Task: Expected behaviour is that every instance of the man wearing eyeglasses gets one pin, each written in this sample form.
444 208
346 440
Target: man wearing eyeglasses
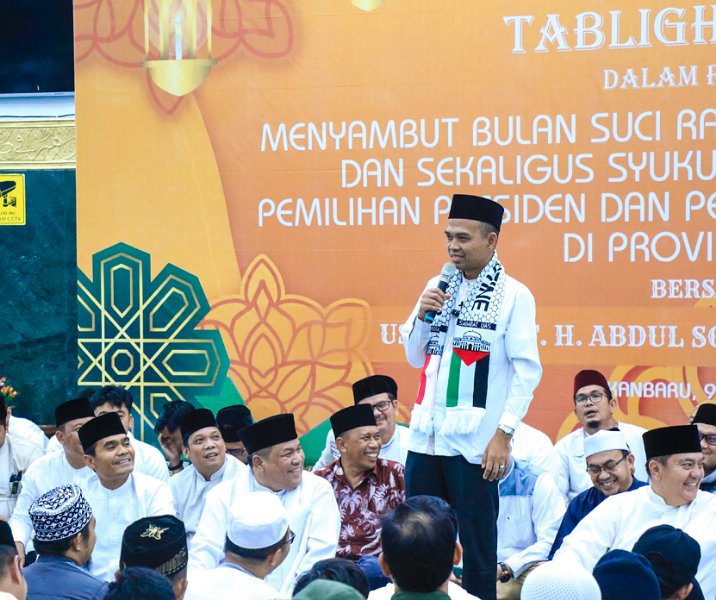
257 540
705 421
381 393
594 407
675 464
610 465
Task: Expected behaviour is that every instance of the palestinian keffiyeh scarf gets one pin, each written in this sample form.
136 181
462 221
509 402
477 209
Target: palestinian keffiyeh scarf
469 354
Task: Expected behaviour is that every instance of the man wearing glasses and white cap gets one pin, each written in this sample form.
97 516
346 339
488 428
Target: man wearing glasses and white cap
594 407
610 465
257 541
675 464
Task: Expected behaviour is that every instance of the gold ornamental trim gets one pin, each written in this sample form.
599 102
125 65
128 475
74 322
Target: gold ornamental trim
38 144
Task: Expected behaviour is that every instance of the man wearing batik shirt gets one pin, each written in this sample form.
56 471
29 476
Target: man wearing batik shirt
365 485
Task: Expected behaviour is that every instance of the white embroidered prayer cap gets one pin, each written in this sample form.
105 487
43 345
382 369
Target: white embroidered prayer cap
557 580
605 440
257 520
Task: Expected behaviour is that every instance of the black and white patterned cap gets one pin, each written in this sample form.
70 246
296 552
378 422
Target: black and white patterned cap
60 513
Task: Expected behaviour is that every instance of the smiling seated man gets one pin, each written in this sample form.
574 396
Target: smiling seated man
380 392
705 420
610 465
366 486
672 498
54 469
210 465
594 406
118 496
276 466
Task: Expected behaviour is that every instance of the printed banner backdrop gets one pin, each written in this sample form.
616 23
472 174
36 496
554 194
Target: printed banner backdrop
306 180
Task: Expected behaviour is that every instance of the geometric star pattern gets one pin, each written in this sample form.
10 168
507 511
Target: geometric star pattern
140 333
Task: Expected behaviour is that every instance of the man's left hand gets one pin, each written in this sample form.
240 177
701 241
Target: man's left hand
497 454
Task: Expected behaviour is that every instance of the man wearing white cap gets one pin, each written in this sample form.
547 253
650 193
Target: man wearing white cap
672 498
276 461
64 541
594 406
118 496
257 541
610 465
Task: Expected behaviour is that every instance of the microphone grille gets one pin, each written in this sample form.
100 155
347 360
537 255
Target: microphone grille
448 270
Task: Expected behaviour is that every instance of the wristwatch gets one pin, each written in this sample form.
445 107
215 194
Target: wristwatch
506 573
508 431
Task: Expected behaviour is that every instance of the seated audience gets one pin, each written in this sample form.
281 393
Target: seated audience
276 466
159 544
705 420
16 455
137 582
594 407
381 393
257 541
12 582
323 589
55 468
672 498
549 581
610 465
210 465
168 433
118 495
624 575
531 509
335 569
420 547
365 485
64 540
231 420
674 557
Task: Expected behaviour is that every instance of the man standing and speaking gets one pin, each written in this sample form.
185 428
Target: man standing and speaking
477 345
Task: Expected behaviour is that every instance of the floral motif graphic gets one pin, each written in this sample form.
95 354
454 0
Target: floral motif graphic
114 30
288 353
140 333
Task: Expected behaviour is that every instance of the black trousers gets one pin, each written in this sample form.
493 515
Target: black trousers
476 503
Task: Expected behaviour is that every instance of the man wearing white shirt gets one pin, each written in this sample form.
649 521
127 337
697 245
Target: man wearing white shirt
531 509
54 469
475 340
594 407
257 541
16 455
117 496
210 465
675 464
381 392
148 459
276 466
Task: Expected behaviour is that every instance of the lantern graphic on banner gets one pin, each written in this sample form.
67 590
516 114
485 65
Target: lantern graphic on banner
177 43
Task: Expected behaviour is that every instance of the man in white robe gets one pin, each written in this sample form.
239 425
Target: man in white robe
54 469
594 407
675 464
111 398
118 496
257 541
276 466
381 393
210 465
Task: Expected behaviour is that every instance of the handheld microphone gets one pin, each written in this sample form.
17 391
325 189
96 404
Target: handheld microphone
446 274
